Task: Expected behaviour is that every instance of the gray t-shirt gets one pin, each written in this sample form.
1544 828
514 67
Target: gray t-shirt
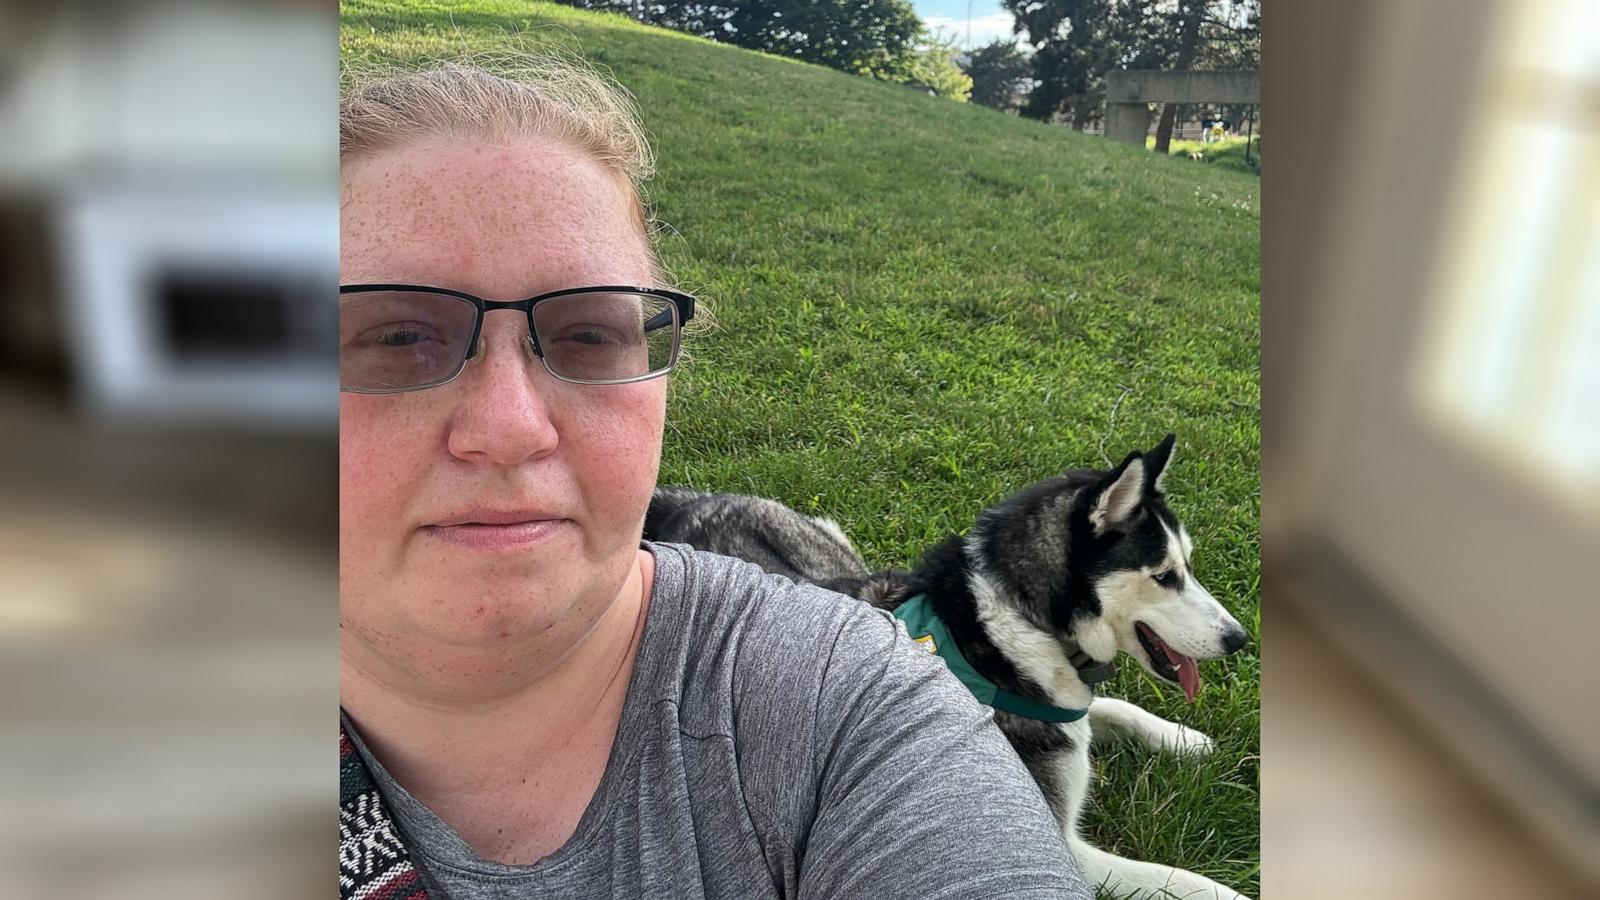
778 740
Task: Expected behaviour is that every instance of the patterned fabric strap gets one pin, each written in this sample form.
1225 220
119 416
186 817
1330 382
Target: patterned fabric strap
373 864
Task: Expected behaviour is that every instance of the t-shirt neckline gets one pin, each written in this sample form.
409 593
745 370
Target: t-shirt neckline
412 815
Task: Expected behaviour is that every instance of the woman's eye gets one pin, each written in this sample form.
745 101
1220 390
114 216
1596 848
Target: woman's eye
396 334
593 336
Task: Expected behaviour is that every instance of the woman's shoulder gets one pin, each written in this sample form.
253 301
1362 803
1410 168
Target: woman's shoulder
745 633
738 606
810 693
724 598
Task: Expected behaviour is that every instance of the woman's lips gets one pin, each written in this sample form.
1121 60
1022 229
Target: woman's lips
508 536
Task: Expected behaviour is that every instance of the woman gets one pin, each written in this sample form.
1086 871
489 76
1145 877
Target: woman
534 702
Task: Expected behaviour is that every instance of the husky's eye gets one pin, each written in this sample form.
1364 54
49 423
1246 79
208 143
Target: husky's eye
1167 579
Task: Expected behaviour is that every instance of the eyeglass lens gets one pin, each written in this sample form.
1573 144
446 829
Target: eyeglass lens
394 340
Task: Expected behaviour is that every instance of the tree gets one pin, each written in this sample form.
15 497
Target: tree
1000 74
934 68
1075 42
1078 41
1187 19
859 36
1212 34
931 67
1230 35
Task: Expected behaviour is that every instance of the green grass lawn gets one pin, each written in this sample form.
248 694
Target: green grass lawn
1227 153
926 305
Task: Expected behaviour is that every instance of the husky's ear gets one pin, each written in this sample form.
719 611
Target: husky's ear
1118 497
1158 459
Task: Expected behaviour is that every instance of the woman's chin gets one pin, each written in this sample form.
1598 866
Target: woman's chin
487 623
491 614
498 610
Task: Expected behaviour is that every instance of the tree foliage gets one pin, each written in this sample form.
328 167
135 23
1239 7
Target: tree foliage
1076 42
933 68
859 36
1000 74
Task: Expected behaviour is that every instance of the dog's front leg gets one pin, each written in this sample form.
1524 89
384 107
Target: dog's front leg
1131 879
1111 718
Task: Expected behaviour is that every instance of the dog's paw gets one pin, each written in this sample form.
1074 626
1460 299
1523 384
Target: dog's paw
1183 741
1204 889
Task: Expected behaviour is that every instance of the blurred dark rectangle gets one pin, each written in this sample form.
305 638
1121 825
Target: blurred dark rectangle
261 315
30 308
205 301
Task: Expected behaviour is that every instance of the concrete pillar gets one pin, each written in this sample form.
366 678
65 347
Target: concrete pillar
1128 122
1129 90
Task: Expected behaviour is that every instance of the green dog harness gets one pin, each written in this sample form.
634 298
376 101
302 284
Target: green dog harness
927 629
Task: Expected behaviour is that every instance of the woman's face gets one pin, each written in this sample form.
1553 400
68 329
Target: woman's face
420 585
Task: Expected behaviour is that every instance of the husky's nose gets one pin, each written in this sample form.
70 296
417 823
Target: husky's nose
1235 638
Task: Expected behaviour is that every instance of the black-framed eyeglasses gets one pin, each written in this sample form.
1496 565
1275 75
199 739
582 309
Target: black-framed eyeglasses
406 337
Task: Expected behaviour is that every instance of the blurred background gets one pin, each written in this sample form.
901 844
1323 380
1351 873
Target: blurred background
168 236
1431 372
1431 449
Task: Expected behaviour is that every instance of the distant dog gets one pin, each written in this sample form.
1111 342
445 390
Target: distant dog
1029 608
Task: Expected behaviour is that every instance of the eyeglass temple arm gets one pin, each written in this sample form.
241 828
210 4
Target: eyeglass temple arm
664 318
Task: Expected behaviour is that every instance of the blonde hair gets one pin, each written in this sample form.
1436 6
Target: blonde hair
529 95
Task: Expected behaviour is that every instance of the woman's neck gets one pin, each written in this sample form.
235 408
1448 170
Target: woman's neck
447 744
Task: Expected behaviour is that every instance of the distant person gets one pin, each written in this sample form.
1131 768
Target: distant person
534 701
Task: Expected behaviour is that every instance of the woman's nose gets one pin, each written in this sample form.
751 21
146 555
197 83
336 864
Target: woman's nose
503 415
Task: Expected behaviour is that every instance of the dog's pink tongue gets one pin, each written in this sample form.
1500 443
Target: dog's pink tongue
1188 672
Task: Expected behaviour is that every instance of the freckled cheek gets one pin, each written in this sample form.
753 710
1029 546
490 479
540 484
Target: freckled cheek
378 455
616 450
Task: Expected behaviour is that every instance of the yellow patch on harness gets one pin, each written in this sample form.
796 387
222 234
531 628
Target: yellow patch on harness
928 643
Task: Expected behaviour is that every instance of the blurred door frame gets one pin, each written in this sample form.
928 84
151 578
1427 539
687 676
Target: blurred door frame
1464 581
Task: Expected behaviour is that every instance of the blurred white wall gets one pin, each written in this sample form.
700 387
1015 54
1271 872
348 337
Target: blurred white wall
146 88
167 145
1431 457
168 584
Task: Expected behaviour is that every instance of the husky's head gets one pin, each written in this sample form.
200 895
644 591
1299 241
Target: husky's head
1150 604
1097 559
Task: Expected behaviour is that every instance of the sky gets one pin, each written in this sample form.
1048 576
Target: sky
989 19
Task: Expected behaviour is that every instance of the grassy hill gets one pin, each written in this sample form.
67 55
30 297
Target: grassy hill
926 305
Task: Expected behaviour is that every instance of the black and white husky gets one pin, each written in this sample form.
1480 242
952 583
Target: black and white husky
1037 598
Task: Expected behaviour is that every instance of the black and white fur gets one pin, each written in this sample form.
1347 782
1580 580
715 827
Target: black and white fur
765 532
1068 564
